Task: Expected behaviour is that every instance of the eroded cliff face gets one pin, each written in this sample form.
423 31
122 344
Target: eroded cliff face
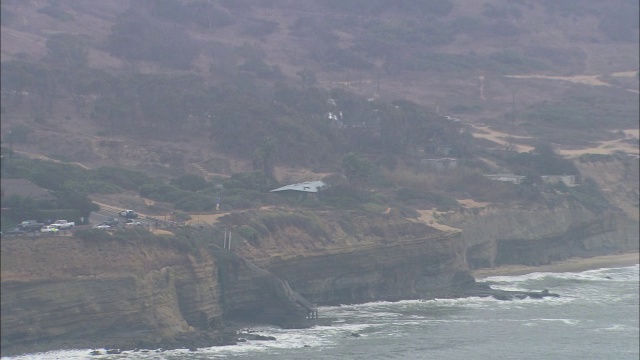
497 235
534 236
63 289
349 258
67 292
425 267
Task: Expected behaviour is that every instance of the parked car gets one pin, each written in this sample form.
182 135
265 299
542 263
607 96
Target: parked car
102 226
111 222
63 224
50 229
131 222
129 214
31 225
13 232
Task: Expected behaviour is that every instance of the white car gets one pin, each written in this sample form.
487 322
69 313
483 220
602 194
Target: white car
132 223
102 227
50 228
129 214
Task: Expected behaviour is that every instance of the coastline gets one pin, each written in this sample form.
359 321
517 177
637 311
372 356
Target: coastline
575 264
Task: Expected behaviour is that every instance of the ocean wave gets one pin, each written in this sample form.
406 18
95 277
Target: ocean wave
618 327
73 354
564 321
628 273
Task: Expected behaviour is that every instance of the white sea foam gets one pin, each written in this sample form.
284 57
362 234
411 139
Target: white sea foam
618 327
565 321
79 354
622 274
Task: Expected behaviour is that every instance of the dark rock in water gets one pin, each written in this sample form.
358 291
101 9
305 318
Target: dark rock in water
354 334
305 345
114 351
501 297
251 336
608 277
96 352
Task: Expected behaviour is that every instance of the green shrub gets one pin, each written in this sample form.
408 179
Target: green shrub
190 182
124 178
374 208
196 203
256 181
249 234
163 192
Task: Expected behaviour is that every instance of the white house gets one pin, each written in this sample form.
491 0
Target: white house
309 187
515 179
569 180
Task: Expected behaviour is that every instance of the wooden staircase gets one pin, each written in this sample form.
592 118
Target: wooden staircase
281 287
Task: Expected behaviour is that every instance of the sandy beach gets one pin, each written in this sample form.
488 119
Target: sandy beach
569 265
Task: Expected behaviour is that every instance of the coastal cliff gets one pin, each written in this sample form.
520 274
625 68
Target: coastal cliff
344 257
534 236
139 290
66 292
143 291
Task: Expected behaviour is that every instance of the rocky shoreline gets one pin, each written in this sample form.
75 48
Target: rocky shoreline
232 335
178 298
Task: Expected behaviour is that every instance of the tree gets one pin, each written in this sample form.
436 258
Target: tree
356 169
190 182
263 157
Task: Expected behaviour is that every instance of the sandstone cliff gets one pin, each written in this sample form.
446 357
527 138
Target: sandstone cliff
535 236
144 291
342 257
150 292
65 290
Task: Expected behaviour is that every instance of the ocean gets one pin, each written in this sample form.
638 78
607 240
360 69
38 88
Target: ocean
596 317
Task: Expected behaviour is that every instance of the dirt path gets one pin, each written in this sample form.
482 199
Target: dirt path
501 138
427 217
580 79
42 157
608 147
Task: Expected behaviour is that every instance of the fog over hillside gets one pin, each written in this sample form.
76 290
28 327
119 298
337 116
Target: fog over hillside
222 76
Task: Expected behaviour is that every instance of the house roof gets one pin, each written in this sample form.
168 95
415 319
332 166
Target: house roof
24 188
309 186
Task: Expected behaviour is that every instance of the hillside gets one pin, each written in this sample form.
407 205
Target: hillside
289 88
451 136
157 77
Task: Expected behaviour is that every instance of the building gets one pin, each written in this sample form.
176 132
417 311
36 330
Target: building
439 164
569 180
514 179
305 187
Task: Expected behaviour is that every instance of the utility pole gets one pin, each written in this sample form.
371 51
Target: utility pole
513 109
